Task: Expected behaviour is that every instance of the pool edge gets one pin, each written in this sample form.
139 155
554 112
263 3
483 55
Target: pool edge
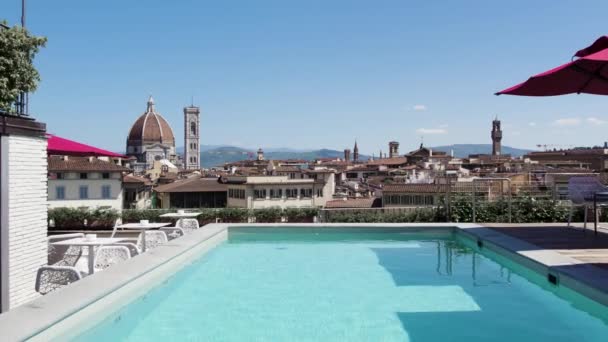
45 315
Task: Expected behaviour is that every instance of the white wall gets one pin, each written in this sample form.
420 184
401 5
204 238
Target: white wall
72 185
24 212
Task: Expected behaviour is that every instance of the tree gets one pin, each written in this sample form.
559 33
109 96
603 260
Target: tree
17 71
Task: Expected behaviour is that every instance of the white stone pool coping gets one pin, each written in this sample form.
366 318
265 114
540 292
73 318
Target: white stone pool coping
85 303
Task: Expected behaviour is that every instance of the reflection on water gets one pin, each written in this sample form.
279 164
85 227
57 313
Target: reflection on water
325 285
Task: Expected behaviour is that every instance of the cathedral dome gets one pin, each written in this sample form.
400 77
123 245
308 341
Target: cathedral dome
151 128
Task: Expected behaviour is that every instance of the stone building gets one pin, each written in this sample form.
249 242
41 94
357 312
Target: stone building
151 138
79 182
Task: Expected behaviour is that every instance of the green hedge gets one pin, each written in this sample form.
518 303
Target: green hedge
377 216
300 215
75 218
267 215
524 209
79 218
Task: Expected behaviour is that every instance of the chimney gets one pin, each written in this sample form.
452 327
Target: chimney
65 158
91 159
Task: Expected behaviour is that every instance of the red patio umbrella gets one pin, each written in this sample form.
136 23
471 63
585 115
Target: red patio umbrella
61 146
588 73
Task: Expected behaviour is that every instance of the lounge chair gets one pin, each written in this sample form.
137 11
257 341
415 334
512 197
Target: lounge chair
172 232
154 238
63 255
51 278
188 225
107 256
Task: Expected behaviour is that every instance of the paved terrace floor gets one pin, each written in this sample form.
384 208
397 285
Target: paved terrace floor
576 243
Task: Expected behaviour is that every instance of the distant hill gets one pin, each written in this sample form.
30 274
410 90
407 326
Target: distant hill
463 150
219 155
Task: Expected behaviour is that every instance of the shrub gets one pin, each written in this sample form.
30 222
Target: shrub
233 215
102 218
300 215
267 215
207 216
75 218
152 215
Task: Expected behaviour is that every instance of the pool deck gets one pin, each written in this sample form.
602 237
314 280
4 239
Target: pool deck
577 243
574 257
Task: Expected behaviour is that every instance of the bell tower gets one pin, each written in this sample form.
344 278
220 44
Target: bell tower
496 137
192 148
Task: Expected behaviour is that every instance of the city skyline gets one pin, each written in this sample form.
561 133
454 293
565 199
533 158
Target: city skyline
311 76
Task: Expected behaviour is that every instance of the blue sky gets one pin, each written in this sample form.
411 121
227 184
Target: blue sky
313 74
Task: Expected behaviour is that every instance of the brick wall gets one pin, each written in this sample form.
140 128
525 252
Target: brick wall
25 212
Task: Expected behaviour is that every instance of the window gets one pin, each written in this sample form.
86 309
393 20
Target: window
60 192
106 191
130 196
276 193
84 175
83 192
105 175
305 193
193 128
320 192
236 193
291 193
259 194
59 175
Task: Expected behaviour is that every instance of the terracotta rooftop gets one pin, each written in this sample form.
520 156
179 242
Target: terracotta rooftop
389 161
288 169
56 164
415 188
320 171
466 187
136 180
194 184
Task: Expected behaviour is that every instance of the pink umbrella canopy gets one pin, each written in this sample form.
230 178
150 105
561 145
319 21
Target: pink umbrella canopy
586 74
61 146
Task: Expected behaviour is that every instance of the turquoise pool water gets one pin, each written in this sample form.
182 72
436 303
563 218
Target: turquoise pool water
346 285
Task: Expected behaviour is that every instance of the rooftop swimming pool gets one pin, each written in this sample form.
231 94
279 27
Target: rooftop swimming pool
332 284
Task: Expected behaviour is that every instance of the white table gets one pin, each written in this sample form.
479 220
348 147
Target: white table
143 227
179 216
83 242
